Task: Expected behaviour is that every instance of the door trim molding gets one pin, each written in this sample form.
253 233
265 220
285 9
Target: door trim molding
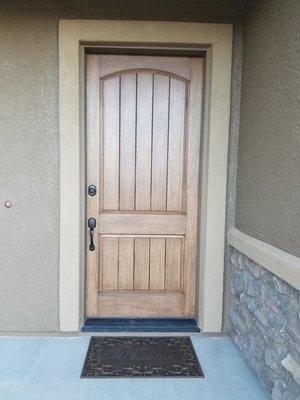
216 41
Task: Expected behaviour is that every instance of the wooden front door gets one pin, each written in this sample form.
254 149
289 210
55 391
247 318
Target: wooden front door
143 146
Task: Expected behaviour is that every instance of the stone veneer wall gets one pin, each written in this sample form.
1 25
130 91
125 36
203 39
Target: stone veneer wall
265 326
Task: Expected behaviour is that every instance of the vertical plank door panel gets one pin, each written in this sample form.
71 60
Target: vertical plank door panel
127 141
110 104
126 253
157 264
173 264
160 142
141 264
144 141
176 145
109 263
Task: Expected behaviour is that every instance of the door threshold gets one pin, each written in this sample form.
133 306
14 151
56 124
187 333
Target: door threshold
140 325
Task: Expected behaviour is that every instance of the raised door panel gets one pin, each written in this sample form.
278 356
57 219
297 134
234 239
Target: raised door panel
141 263
143 142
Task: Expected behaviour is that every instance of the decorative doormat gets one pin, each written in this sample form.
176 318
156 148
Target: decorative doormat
141 357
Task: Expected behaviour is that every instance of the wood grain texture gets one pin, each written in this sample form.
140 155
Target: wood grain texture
111 145
114 64
141 304
155 224
160 142
143 127
109 264
126 263
173 264
157 263
143 141
192 192
141 264
127 142
176 145
93 173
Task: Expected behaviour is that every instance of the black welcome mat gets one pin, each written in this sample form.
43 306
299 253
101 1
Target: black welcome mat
141 357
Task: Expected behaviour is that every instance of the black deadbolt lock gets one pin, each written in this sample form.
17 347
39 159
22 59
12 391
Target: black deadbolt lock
92 190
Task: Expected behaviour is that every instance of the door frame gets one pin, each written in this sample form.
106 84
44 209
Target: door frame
214 41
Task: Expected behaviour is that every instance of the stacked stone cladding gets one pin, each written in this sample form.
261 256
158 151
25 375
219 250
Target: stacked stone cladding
265 325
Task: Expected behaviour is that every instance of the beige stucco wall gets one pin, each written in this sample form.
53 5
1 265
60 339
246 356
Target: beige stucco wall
29 172
268 190
29 151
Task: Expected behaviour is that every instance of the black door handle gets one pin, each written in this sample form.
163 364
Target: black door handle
92 225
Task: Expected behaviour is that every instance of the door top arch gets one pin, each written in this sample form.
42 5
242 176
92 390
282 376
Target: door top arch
145 71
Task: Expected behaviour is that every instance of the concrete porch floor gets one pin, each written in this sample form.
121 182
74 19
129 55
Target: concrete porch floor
48 368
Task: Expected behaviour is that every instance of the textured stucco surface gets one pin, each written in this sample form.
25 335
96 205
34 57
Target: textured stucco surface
268 190
232 161
29 174
29 151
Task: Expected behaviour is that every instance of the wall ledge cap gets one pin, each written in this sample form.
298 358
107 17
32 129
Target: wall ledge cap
279 262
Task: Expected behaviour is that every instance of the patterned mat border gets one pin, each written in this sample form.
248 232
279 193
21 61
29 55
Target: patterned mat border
201 375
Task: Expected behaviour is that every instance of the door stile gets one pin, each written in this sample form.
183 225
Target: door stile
92 204
192 188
